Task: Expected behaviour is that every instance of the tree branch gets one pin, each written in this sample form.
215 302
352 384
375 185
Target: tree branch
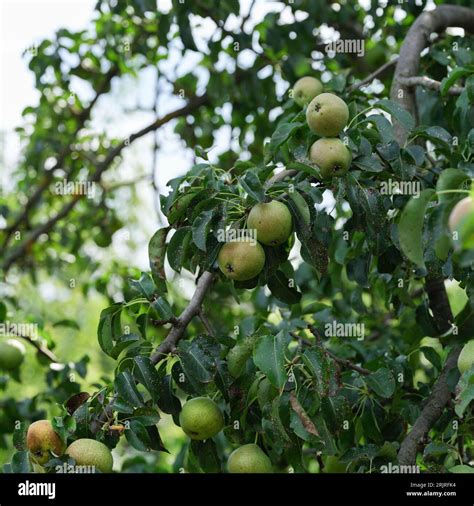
427 82
408 64
433 409
372 76
44 228
41 349
193 309
417 38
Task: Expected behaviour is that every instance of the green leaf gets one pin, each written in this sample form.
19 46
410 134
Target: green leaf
201 227
269 357
19 436
381 382
146 416
280 287
178 248
156 254
206 455
282 134
462 469
162 307
398 112
109 329
464 392
450 179
432 356
323 369
127 389
410 227
168 402
20 463
453 76
146 374
138 436
198 359
144 285
252 185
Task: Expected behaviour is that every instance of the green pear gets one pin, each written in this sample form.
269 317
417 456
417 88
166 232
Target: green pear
12 353
271 221
42 440
201 418
327 115
241 260
462 209
239 354
305 89
249 459
331 156
466 357
333 465
89 452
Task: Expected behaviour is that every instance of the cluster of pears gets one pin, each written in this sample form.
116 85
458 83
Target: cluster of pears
327 116
201 418
43 443
12 354
244 259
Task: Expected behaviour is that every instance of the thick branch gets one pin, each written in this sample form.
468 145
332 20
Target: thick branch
44 228
408 64
193 309
430 414
417 38
427 82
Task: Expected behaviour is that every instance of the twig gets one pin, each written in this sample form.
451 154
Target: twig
193 309
427 82
280 177
372 76
207 324
302 415
41 349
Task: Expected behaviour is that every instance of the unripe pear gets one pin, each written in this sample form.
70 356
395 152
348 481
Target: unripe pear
11 354
241 260
272 222
466 357
305 89
41 439
463 208
327 115
239 354
201 418
89 452
249 459
331 156
333 465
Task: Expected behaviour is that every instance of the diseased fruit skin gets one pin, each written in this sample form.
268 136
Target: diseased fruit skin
11 354
241 260
459 212
201 418
466 357
327 115
272 222
305 89
239 354
331 156
89 452
249 459
41 439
